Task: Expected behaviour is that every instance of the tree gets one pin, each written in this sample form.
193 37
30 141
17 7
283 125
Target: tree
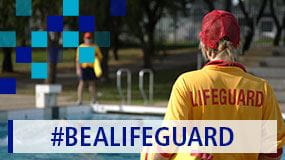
116 29
142 18
42 9
250 27
7 22
278 34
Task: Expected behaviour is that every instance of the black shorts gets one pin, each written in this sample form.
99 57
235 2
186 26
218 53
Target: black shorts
87 74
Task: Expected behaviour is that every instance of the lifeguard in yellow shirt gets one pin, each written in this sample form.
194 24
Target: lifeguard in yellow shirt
86 71
222 90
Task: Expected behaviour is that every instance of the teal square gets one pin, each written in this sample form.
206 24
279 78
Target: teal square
7 39
70 39
39 71
39 39
102 38
86 54
70 8
23 7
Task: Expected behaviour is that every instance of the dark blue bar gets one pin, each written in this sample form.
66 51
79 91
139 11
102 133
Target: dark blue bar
10 136
118 7
7 85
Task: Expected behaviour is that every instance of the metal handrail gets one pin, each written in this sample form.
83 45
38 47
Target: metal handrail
149 99
129 85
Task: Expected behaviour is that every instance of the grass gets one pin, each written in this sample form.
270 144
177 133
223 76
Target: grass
107 90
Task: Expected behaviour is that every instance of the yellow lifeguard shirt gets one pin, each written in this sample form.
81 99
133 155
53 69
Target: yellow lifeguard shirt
220 92
97 53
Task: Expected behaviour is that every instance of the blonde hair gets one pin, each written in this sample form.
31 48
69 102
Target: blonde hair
225 50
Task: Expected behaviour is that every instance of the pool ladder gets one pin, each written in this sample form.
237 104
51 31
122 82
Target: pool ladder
128 96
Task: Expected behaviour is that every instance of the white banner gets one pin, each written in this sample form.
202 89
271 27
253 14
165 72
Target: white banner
135 136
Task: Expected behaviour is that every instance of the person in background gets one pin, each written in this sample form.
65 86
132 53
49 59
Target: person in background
222 90
85 71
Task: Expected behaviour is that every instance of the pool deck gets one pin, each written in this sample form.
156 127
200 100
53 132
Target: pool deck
62 112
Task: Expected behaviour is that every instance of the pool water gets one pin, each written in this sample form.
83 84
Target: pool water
20 156
5 156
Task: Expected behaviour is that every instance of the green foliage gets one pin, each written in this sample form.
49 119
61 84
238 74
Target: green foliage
7 12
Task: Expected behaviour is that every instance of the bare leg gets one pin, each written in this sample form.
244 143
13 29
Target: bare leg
80 91
92 91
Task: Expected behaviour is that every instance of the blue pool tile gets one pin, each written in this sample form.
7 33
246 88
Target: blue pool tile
39 71
87 24
7 39
102 39
39 39
70 7
23 54
70 38
55 23
118 7
86 55
7 86
23 7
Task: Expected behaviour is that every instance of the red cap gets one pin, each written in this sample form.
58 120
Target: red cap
217 25
88 35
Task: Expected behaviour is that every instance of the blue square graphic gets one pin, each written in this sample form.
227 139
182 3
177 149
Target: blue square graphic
39 39
23 7
55 23
87 24
39 71
86 55
118 7
70 7
102 39
70 39
7 85
23 55
7 39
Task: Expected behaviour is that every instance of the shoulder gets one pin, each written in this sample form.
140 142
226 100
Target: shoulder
185 79
191 76
255 78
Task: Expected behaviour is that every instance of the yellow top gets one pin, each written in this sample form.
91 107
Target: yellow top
97 53
207 94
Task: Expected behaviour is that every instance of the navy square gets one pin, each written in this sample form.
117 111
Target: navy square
55 23
23 54
87 24
7 86
118 8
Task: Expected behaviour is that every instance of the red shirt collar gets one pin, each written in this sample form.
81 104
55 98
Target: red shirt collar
226 63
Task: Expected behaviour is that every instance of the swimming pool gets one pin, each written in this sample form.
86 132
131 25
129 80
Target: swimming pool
91 116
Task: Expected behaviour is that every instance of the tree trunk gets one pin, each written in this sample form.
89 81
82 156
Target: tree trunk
248 38
115 29
147 58
149 47
105 66
115 53
261 11
52 69
7 65
53 58
115 44
228 5
278 34
250 26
